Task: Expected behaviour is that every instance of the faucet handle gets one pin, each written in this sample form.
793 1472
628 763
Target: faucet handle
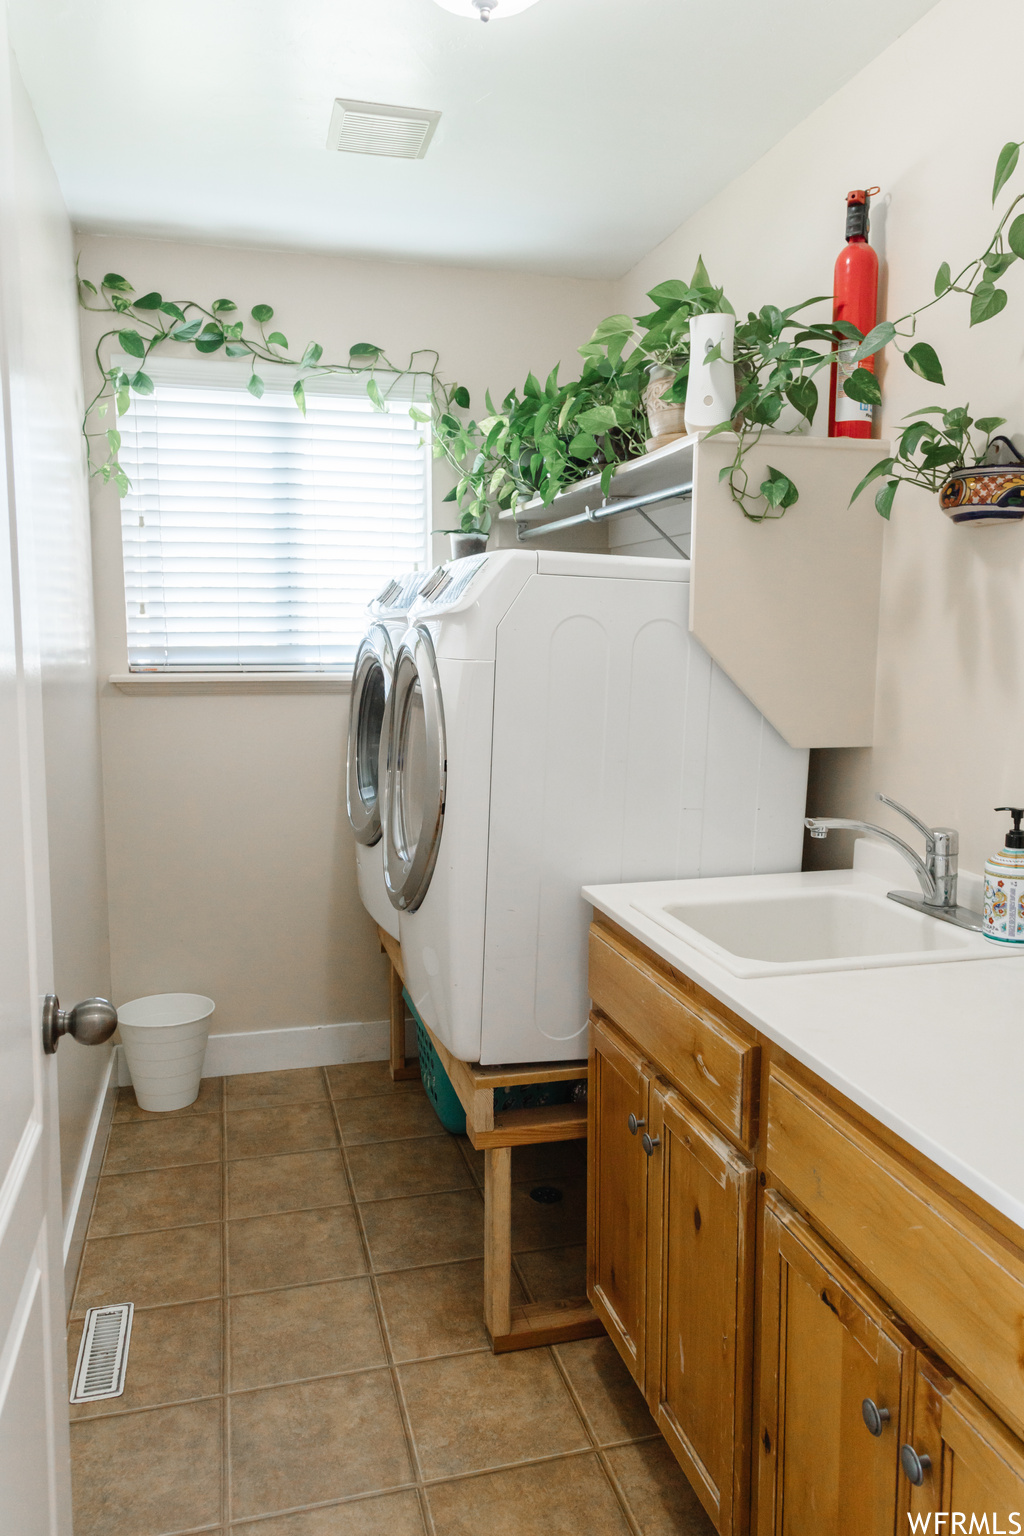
928 833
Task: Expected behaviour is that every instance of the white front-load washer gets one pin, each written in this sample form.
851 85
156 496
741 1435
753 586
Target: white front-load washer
371 685
552 723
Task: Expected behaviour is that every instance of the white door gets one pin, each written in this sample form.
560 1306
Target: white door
35 1498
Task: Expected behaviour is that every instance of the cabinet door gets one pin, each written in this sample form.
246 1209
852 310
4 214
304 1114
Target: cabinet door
701 1200
968 1463
828 1346
617 1191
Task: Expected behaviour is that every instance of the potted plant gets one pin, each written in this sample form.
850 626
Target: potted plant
470 538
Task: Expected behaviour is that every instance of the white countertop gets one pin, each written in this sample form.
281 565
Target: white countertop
934 1052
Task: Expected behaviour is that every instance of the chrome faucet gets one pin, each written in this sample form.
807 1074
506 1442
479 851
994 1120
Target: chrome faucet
936 872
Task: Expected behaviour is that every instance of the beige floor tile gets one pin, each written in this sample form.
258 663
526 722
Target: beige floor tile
310 1330
367 1079
294 1248
209 1102
268 1090
571 1497
174 1355
549 1162
535 1225
290 1128
473 1412
393 1514
396 1119
612 1401
151 1268
555 1274
661 1499
294 1181
393 1168
136 1146
166 1197
425 1229
143 1474
474 1158
437 1311
315 1441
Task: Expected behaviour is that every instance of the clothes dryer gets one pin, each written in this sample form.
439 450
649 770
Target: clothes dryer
552 723
371 684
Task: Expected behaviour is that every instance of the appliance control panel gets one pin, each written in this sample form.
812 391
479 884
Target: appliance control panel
446 584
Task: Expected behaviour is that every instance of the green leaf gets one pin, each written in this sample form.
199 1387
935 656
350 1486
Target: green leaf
261 313
883 500
912 437
943 278
312 355
988 424
883 467
772 317
300 395
803 393
451 494
148 301
187 332
996 265
417 414
113 438
132 343
142 383
373 390
209 341
167 308
874 341
116 283
255 386
532 387
924 361
600 418
778 490
460 396
236 349
122 482
363 352
986 301
1015 235
700 277
83 282
583 446
1005 167
122 400
277 340
676 392
223 306
864 387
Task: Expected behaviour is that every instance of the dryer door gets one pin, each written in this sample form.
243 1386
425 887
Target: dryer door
417 773
371 685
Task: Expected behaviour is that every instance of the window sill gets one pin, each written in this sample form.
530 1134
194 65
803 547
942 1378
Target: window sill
156 684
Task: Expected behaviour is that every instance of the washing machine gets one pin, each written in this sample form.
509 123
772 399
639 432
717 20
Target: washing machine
552 723
371 684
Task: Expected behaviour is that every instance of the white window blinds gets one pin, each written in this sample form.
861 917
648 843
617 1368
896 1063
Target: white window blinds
254 537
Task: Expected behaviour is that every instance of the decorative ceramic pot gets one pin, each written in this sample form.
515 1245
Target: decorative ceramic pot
711 387
464 544
986 494
666 420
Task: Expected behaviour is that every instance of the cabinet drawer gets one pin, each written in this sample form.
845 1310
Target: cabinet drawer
711 1062
956 1282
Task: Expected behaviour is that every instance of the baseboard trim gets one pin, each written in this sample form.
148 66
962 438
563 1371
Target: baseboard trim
306 1045
87 1175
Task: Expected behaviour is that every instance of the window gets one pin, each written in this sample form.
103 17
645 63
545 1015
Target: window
254 537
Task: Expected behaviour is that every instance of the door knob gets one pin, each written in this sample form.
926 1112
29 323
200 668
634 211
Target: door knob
90 1022
914 1466
649 1143
634 1124
874 1417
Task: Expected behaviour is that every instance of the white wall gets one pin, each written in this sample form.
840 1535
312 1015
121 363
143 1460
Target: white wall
949 738
53 511
232 867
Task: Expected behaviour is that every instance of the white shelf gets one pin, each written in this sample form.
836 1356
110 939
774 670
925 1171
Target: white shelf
653 472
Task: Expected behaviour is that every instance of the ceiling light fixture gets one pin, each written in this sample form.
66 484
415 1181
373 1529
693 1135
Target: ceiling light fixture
485 10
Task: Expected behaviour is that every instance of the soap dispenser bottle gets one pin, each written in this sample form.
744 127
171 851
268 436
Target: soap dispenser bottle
1004 886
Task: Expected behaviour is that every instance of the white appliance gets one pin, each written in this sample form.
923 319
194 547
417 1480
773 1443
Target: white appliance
551 724
371 684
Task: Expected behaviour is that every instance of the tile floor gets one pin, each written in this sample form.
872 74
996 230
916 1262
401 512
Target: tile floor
309 1357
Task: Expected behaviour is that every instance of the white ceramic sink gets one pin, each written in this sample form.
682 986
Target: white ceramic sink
779 925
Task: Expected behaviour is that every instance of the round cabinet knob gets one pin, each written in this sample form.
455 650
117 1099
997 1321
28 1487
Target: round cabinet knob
649 1143
91 1022
914 1466
874 1417
634 1124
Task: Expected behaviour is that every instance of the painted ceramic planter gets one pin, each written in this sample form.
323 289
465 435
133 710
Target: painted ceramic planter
986 494
665 419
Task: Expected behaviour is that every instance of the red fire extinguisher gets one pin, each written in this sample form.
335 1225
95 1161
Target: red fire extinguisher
855 298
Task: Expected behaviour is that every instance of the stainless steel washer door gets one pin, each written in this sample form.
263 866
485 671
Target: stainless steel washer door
417 773
371 686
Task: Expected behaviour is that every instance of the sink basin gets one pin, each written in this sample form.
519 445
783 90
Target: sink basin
756 926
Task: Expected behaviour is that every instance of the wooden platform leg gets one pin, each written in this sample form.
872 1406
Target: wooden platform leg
498 1240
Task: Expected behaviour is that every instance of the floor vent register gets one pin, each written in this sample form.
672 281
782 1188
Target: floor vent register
103 1355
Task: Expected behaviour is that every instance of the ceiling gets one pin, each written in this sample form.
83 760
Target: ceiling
573 137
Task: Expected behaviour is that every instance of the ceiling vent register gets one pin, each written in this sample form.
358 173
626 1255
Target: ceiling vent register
370 128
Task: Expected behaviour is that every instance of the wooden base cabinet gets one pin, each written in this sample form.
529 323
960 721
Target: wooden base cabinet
960 1461
670 1266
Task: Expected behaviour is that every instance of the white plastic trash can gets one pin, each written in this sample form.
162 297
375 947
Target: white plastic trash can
164 1040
